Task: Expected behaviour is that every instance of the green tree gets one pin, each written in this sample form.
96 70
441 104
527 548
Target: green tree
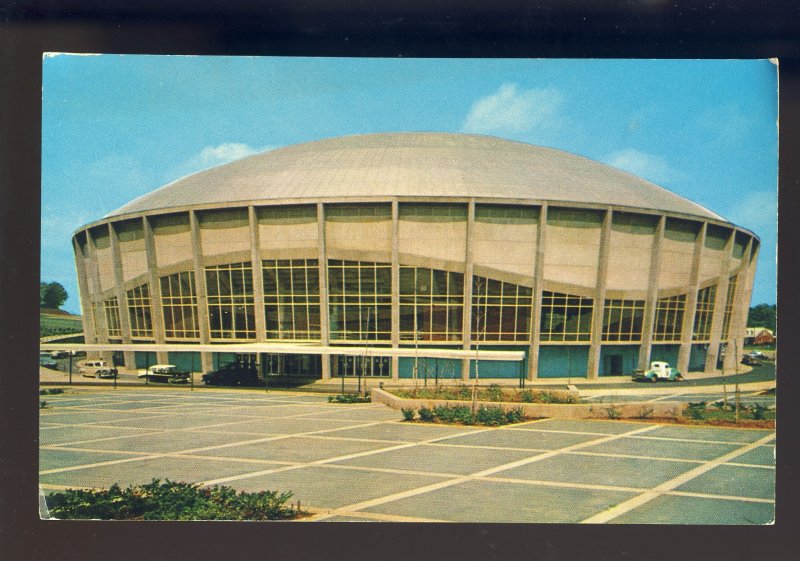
763 315
52 295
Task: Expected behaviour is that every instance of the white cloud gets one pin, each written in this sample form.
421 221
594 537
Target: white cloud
649 166
510 110
758 210
212 156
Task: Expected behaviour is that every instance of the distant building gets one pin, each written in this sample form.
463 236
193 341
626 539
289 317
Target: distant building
759 336
426 240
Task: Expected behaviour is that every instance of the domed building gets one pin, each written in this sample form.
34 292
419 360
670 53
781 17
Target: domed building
401 254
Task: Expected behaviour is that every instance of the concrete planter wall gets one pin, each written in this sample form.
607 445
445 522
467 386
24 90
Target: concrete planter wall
626 410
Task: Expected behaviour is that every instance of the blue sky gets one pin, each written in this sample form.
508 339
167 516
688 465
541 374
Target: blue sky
115 127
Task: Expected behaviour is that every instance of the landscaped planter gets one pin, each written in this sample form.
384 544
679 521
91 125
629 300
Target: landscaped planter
551 410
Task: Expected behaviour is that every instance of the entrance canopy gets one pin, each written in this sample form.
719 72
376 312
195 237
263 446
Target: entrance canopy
294 349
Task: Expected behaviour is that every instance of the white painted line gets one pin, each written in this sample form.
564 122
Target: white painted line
626 506
482 473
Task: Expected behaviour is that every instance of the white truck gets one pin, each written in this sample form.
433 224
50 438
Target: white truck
658 371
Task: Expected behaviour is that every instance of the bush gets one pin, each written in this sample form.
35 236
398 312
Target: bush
613 412
409 413
515 415
51 391
759 411
453 414
526 396
696 411
349 398
491 416
494 392
645 411
426 415
42 404
171 501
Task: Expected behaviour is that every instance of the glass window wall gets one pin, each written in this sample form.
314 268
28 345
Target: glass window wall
291 299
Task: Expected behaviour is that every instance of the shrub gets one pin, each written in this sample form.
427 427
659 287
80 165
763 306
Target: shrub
645 411
526 396
51 391
454 414
547 397
349 398
491 415
759 411
515 415
426 415
462 391
613 412
171 501
494 392
42 404
696 411
409 413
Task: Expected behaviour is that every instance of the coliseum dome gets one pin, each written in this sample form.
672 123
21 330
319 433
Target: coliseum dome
402 255
415 165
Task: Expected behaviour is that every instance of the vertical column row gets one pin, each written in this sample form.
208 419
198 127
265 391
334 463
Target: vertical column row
466 331
687 332
395 287
593 370
155 284
89 329
206 359
122 300
536 314
258 275
96 299
741 309
652 295
719 304
324 321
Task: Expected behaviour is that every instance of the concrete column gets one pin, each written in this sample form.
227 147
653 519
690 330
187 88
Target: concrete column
719 305
536 312
206 359
323 290
258 275
89 330
96 299
395 288
652 296
593 370
119 288
741 308
466 331
687 330
156 302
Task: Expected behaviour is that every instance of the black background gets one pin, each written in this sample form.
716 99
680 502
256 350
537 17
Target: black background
444 28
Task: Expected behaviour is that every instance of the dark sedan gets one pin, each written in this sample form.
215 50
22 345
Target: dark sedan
233 375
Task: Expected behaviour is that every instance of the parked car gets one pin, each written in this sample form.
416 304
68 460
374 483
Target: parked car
65 354
232 374
89 368
751 360
105 373
166 373
47 361
658 371
759 355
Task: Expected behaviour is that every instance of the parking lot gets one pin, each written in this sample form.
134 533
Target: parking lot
359 462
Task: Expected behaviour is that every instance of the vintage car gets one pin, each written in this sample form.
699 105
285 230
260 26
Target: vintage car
658 371
46 361
751 360
166 373
89 368
105 373
233 374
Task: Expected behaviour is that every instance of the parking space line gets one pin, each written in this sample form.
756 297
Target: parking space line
483 473
723 497
563 484
673 483
337 458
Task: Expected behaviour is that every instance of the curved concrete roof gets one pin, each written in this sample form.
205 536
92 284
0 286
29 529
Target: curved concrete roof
415 165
